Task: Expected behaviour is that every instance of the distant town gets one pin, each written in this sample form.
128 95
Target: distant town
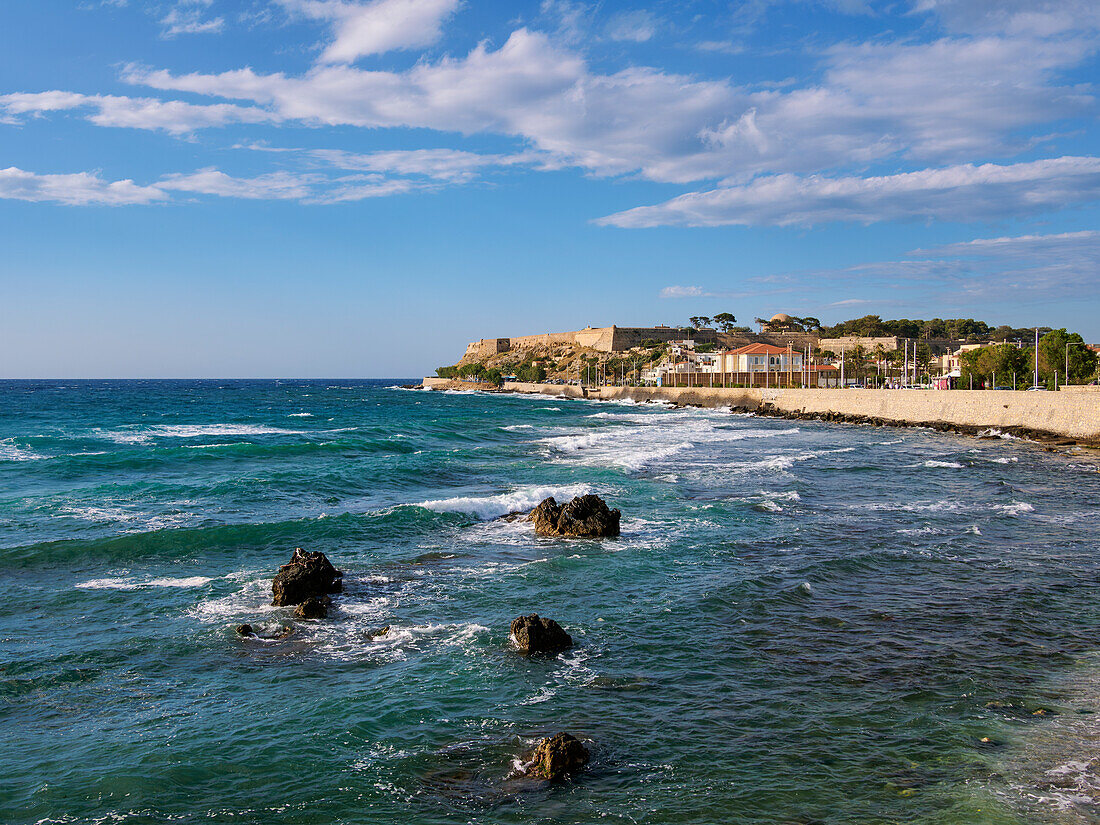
786 351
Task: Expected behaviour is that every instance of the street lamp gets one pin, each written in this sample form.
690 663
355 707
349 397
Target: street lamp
1068 345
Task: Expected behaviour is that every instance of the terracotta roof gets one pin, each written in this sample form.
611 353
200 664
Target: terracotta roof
761 349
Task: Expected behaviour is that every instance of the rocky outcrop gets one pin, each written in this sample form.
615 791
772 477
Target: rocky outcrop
306 575
533 634
584 517
315 607
558 757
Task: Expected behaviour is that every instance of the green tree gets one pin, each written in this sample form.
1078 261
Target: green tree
446 372
996 362
725 321
1053 356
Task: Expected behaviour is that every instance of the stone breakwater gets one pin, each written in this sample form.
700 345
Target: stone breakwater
1064 417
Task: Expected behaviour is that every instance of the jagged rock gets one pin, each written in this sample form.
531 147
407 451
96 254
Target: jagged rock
315 607
245 630
583 517
558 757
378 632
537 635
305 575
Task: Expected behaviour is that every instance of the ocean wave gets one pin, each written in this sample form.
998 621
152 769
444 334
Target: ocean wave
493 506
945 464
300 415
128 583
10 451
1015 508
148 433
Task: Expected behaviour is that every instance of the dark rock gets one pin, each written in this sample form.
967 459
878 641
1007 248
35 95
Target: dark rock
315 607
305 575
536 635
558 757
378 632
245 630
583 517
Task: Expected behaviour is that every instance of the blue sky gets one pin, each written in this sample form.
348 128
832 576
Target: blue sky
359 187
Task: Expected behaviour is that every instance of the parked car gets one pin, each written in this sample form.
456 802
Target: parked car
1036 389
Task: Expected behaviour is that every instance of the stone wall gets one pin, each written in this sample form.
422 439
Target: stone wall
1073 415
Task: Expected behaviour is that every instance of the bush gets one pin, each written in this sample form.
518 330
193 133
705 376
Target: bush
446 372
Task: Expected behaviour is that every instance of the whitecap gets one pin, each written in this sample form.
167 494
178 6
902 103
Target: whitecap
519 500
300 415
134 584
946 464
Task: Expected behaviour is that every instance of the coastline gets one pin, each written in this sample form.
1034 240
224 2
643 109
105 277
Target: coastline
1065 419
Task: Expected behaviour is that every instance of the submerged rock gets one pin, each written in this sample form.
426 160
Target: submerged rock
557 757
315 607
245 630
583 517
305 575
378 632
537 635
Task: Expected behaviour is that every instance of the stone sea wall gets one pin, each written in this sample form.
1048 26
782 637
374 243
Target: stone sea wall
1058 415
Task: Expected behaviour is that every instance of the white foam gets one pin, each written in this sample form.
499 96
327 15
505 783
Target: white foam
147 434
946 464
300 415
519 427
501 504
134 584
1014 509
10 451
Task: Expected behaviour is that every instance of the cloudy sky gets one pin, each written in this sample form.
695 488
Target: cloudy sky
358 187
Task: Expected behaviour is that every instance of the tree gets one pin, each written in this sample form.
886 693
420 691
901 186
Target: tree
531 372
446 372
1053 356
492 376
725 321
696 321
986 363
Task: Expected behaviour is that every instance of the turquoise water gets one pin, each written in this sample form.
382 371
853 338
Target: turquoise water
800 623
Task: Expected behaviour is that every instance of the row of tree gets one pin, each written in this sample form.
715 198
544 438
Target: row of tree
723 321
1063 358
956 329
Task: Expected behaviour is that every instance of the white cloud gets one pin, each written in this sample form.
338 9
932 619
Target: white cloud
188 17
956 193
683 292
633 26
1018 246
273 186
377 26
942 101
440 164
79 189
173 116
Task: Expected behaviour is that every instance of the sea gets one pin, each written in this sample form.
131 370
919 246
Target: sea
801 622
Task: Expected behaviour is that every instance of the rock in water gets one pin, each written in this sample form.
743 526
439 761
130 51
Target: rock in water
315 607
558 757
584 517
537 635
245 630
305 575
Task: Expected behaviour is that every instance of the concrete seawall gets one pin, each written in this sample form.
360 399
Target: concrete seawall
1059 415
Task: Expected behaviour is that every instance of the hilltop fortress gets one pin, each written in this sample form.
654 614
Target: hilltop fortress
623 339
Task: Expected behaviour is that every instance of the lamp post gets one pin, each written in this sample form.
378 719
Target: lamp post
1035 383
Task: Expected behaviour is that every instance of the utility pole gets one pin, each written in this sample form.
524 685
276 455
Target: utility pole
1036 358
